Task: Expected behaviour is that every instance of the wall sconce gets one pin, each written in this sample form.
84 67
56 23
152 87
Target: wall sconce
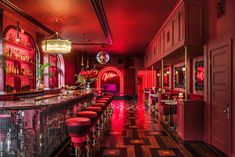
181 95
168 72
183 69
158 74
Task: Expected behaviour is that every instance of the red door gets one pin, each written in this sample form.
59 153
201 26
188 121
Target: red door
221 98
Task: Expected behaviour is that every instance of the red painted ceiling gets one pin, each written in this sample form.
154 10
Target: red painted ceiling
133 23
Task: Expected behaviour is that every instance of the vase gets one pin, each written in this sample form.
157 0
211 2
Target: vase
41 86
88 87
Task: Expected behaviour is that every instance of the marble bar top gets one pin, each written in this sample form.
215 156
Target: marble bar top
45 101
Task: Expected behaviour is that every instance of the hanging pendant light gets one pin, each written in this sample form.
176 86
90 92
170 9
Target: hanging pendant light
57 45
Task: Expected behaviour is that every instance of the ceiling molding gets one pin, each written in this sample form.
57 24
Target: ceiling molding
90 43
99 9
26 16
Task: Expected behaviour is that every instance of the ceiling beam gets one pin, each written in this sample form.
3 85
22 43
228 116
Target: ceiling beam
99 10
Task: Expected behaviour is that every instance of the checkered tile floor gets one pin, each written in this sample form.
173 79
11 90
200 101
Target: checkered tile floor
134 132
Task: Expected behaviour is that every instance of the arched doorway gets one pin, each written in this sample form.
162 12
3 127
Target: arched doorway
111 79
57 68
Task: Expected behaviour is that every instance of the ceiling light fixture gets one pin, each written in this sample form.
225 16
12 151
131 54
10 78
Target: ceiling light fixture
56 45
102 56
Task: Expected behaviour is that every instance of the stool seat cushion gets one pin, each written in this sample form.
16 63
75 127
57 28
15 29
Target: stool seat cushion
79 121
89 114
98 104
108 96
101 101
98 110
104 98
92 108
103 106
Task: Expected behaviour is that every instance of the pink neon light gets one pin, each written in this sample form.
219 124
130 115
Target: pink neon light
98 82
200 73
106 76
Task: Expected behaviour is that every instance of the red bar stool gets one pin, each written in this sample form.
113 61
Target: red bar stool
78 129
109 104
99 112
102 105
104 116
105 98
102 101
99 129
93 117
88 114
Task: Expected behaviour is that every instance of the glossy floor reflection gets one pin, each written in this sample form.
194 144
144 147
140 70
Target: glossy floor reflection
134 132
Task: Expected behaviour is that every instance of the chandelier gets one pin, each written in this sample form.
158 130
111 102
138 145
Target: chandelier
57 45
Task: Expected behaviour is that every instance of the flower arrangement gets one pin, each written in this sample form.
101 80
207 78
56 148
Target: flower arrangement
86 77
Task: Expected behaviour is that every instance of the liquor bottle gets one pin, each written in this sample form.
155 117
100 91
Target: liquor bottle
30 59
17 70
7 68
10 69
9 52
14 70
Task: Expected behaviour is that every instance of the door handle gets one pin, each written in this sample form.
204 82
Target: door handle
227 111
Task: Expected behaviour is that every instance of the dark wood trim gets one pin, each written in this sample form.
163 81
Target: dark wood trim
100 13
1 22
26 16
91 44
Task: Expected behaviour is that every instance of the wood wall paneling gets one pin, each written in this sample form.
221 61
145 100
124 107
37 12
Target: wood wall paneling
194 23
185 26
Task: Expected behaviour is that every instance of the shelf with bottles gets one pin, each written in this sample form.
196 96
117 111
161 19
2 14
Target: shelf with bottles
18 54
20 61
18 69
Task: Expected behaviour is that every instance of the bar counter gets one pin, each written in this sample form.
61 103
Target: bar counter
7 96
36 127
